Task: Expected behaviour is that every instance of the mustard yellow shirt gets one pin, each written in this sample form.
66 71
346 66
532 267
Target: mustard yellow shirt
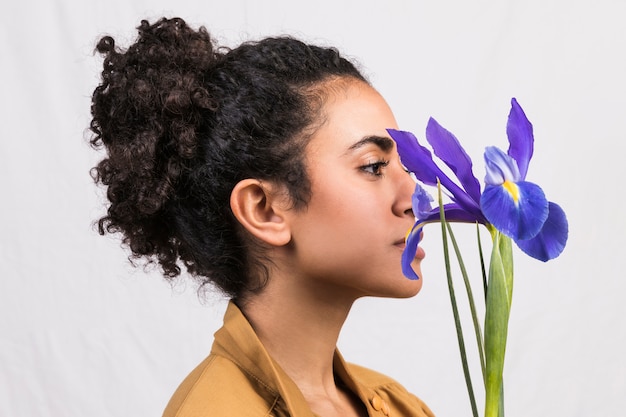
240 379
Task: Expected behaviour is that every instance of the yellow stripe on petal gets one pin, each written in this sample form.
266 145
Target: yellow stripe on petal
513 190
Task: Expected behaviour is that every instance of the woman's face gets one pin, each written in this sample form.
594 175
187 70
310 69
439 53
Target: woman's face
349 238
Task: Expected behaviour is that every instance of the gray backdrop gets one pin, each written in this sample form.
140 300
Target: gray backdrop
84 334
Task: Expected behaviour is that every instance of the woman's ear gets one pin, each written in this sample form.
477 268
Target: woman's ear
260 207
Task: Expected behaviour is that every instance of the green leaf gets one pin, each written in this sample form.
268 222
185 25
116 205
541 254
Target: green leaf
455 309
470 298
498 307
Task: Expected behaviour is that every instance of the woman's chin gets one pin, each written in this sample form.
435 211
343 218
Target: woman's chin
409 287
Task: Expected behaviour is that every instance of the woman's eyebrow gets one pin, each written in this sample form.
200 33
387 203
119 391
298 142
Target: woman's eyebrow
383 142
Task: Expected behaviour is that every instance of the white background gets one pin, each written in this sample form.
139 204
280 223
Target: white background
84 334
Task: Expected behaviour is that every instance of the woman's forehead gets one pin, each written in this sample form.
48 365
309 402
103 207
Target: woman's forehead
355 116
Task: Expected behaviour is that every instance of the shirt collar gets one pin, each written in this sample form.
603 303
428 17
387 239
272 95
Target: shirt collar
238 342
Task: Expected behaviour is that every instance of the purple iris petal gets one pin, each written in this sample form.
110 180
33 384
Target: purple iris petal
447 147
500 167
519 220
454 213
412 240
421 202
551 240
418 160
521 141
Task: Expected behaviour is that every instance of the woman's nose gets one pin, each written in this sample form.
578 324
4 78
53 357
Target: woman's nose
405 186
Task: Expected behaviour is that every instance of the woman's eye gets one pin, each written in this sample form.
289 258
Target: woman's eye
375 168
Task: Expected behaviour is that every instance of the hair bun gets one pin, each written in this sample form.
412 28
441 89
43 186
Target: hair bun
147 112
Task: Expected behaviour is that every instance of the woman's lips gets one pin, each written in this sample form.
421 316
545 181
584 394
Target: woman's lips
419 253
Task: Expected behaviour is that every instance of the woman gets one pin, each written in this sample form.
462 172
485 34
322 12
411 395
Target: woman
267 171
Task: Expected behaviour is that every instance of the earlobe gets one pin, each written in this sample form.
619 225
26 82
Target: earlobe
259 209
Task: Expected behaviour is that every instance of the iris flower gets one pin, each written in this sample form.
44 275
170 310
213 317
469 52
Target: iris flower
511 208
510 204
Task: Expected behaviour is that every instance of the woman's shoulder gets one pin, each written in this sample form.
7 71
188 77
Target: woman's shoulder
217 386
369 377
388 394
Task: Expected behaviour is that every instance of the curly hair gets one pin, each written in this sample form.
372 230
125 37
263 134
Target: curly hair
183 121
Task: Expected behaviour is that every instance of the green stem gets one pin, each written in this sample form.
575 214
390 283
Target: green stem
455 311
482 260
470 297
501 403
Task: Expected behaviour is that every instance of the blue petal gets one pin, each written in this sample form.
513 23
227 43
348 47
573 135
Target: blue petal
408 255
500 167
518 220
447 147
421 202
521 141
418 160
551 240
454 213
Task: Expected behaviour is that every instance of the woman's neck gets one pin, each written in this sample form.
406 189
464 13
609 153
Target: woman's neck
299 327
